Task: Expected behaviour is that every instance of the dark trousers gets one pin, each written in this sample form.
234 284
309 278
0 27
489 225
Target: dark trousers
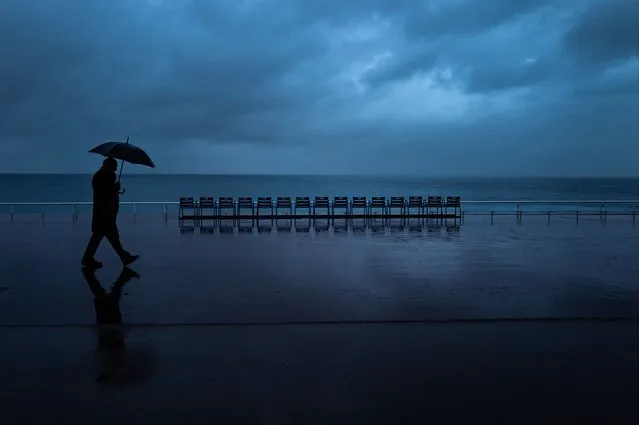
112 235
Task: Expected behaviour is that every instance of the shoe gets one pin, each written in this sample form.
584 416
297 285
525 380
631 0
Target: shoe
90 262
128 274
128 259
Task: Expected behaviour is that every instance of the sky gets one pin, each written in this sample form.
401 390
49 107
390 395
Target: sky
398 87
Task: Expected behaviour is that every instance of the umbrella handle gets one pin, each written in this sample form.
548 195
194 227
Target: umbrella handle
121 192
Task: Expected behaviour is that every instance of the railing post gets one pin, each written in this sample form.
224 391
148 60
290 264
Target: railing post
603 211
75 213
549 214
166 213
42 214
11 212
577 216
492 214
519 212
134 213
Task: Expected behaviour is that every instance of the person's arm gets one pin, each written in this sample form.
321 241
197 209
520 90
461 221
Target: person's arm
106 184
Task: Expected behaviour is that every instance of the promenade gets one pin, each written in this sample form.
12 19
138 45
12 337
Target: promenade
525 323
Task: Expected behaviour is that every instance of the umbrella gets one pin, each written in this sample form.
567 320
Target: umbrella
125 152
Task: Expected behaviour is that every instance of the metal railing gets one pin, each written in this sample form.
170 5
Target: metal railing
578 208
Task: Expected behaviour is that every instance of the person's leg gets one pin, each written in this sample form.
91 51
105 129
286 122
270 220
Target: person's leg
113 235
92 247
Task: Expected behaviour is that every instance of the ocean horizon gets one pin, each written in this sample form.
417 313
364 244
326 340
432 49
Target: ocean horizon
141 187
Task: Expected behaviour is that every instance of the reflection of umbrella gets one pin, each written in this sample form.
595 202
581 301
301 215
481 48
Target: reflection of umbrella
125 152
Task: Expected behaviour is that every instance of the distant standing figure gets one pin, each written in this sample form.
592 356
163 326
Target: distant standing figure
106 204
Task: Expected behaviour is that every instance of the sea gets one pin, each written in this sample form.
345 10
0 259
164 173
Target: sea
140 188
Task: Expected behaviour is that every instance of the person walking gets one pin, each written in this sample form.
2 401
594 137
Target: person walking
106 204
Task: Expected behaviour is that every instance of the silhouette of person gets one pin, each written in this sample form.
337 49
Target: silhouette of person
109 318
106 204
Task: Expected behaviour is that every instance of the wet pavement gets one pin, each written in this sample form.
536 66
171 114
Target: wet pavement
372 326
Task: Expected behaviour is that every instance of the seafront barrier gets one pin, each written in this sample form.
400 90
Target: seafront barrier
352 209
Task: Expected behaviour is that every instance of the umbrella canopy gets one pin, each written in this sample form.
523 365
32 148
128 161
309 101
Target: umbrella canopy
124 151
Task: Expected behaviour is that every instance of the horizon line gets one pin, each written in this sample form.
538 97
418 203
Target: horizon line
441 176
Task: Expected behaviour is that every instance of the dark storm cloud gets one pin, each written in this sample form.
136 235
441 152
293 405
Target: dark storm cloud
466 17
607 31
264 85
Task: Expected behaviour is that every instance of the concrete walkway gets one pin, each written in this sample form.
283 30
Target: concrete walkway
324 329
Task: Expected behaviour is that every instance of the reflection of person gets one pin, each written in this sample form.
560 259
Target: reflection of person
106 203
109 318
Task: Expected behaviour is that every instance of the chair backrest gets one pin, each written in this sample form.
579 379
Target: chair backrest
359 202
415 201
434 201
264 202
321 202
302 202
378 201
206 202
187 202
340 201
397 201
245 202
283 202
453 201
225 202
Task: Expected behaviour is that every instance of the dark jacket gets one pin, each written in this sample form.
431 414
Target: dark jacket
106 200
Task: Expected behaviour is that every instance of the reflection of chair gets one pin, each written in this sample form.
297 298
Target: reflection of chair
187 203
186 229
397 224
242 229
359 225
378 227
227 226
452 227
433 227
303 226
321 226
284 225
264 227
359 202
417 227
207 229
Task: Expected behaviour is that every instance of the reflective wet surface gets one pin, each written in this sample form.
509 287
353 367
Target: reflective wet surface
322 326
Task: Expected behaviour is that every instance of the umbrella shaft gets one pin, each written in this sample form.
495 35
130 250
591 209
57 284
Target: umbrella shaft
122 165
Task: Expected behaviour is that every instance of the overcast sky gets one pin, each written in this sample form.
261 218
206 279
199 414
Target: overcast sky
461 87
